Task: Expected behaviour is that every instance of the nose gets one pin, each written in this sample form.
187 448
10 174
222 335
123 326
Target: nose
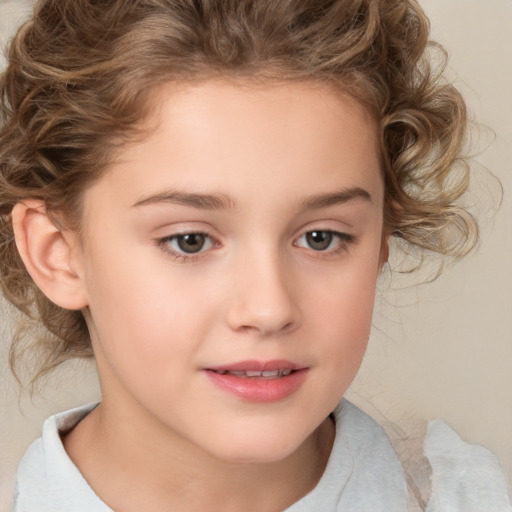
264 297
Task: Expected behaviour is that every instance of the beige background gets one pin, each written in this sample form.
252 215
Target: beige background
439 350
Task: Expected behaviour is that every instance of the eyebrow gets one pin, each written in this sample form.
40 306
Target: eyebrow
201 201
224 202
336 198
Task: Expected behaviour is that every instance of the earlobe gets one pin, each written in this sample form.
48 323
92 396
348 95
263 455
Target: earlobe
48 254
384 251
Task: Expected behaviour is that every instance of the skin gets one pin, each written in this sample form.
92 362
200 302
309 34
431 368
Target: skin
257 290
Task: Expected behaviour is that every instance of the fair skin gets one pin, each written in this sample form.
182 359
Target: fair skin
279 189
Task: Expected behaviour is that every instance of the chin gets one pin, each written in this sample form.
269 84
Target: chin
258 448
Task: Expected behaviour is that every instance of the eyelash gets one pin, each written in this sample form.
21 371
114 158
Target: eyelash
344 240
182 256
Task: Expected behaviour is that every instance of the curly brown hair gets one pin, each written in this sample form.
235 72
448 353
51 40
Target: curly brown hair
81 75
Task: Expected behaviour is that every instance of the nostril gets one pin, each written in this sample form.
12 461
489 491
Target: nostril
287 328
268 330
264 303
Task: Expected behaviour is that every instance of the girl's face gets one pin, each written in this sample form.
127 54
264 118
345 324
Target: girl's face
230 263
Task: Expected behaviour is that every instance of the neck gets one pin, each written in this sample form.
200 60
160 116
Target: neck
163 471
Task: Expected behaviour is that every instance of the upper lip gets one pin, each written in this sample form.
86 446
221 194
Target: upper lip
258 366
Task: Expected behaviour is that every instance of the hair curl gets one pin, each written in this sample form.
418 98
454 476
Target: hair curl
81 74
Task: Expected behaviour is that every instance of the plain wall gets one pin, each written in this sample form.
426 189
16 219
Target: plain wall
440 350
445 349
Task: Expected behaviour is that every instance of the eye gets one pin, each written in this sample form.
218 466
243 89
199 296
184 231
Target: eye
324 240
187 243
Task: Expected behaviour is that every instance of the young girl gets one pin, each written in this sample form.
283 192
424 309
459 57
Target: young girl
202 193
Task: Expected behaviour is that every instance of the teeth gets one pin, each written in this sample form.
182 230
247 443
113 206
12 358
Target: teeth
268 374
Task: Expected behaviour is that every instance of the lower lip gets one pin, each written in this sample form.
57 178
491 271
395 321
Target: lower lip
259 389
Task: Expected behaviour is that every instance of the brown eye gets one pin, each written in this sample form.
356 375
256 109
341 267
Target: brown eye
319 240
325 240
191 242
185 246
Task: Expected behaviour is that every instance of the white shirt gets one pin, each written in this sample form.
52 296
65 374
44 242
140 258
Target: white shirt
363 473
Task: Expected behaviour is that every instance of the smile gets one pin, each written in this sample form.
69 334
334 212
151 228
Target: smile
256 381
248 374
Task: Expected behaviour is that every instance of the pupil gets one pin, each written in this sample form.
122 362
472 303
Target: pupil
191 243
319 240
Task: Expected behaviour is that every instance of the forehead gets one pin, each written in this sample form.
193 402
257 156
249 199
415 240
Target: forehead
252 141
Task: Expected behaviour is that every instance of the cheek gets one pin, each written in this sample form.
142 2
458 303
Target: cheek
143 313
343 312
337 330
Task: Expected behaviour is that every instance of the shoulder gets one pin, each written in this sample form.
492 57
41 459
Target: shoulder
444 472
365 474
47 480
464 477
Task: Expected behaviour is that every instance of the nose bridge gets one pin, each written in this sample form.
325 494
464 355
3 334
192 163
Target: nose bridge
263 299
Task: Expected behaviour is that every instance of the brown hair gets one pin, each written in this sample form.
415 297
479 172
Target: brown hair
81 74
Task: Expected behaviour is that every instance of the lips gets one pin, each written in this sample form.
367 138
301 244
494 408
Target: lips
258 381
247 374
257 366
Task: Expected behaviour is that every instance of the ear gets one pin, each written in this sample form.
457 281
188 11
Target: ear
49 254
384 250
387 231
